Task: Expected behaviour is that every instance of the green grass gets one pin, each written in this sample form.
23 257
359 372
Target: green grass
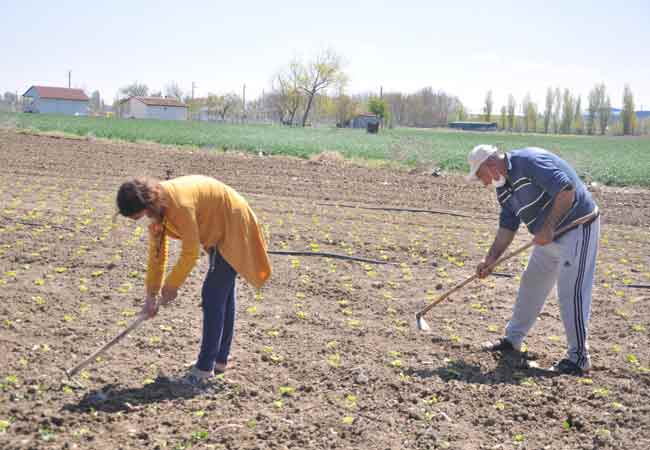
609 160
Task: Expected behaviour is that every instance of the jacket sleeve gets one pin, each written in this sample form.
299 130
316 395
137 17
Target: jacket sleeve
188 230
157 261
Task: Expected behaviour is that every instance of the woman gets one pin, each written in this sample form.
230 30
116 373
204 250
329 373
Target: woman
200 211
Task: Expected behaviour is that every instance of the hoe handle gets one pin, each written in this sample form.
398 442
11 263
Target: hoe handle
141 318
556 235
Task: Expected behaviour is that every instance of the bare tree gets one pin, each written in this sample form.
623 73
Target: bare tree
135 89
173 90
323 72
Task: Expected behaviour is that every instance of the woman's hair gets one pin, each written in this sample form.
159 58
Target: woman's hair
139 193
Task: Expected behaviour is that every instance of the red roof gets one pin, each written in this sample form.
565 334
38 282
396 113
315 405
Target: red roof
159 101
60 93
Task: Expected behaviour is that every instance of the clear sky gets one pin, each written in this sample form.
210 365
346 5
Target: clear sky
462 47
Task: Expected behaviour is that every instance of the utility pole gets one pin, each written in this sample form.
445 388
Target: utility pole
381 92
69 78
193 86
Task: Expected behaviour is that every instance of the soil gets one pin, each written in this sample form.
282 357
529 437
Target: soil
327 354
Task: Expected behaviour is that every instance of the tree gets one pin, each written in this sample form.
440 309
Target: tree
567 113
531 115
135 89
156 94
604 113
557 107
221 104
173 90
324 72
548 112
379 107
503 117
95 102
593 108
10 97
487 109
628 115
288 98
578 121
525 105
346 108
512 106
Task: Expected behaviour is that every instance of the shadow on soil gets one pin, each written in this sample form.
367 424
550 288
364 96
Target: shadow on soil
112 399
510 369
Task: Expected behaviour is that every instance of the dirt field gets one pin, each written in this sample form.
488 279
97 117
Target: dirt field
327 354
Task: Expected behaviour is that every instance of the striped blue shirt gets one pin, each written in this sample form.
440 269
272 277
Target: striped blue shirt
535 176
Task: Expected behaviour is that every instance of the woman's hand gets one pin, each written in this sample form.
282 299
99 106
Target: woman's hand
150 308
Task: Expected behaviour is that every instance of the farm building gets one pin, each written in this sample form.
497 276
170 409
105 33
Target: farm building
362 120
474 126
55 100
153 108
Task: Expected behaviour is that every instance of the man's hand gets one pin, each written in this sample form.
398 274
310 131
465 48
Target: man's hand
150 308
484 269
168 295
544 236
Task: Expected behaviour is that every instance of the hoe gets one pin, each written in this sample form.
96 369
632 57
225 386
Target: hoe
422 325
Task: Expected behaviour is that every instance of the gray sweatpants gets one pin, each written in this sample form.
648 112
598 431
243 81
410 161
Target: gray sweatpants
571 262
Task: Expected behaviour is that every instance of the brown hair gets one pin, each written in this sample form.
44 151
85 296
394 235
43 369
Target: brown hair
139 193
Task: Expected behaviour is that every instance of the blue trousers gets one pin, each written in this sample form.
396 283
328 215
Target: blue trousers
218 304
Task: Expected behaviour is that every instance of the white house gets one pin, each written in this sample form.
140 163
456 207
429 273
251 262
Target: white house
153 108
55 100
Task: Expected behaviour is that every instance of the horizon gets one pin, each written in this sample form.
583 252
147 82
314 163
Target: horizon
443 47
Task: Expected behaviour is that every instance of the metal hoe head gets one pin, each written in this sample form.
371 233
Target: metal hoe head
421 324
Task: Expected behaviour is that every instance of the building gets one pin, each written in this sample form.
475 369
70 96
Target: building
55 100
362 120
474 126
153 108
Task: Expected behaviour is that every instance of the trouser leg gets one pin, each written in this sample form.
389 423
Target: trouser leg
574 289
217 293
536 283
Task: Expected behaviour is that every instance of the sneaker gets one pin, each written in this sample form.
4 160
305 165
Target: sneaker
501 345
567 367
197 377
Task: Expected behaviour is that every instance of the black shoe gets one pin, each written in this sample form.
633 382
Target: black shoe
502 345
567 367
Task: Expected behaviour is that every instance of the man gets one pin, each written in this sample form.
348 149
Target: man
541 190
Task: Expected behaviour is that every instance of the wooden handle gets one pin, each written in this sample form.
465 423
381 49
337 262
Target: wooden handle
556 235
114 341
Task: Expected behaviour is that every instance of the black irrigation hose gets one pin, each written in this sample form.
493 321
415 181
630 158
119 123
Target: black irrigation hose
638 286
327 255
415 210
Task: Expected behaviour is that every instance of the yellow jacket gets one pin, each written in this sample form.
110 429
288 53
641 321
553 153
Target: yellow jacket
200 210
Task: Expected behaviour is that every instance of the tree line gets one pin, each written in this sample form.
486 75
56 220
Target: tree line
564 114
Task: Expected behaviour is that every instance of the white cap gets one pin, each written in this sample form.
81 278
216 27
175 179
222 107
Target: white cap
476 157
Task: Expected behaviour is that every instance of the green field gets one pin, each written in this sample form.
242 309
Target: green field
609 160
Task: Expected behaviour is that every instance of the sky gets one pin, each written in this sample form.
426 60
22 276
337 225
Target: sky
464 48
